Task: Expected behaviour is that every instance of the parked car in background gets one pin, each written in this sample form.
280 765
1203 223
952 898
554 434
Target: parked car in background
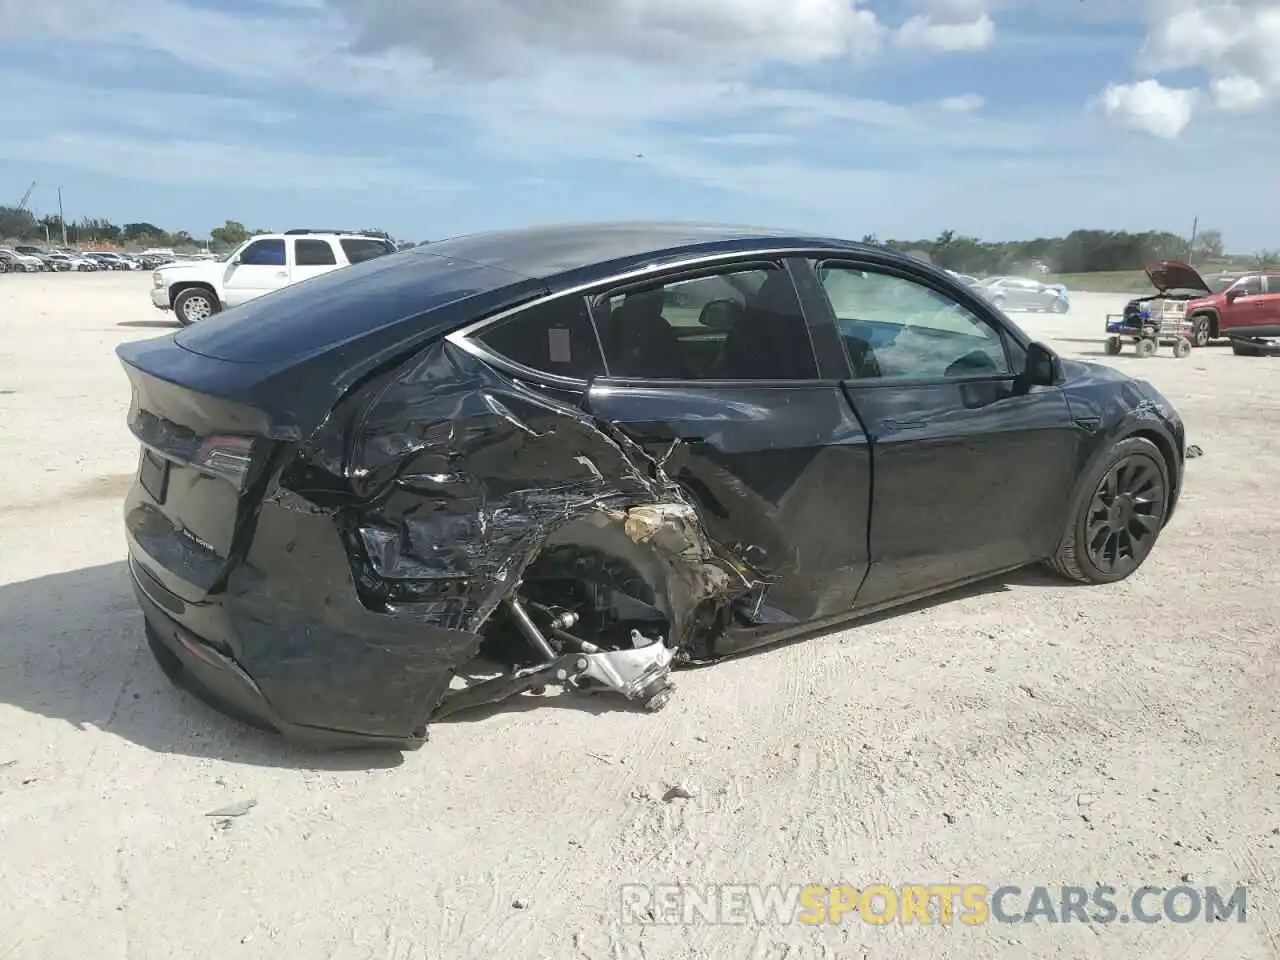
1248 307
196 290
1021 293
110 260
21 262
593 452
75 262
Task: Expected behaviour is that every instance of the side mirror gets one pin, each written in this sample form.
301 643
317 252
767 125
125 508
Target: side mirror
1234 294
1044 369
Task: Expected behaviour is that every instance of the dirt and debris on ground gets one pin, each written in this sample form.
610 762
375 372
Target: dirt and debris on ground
852 757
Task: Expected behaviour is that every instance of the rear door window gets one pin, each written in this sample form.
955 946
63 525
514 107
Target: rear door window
744 323
359 249
313 253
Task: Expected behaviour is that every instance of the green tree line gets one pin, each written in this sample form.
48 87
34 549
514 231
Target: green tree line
22 225
1081 251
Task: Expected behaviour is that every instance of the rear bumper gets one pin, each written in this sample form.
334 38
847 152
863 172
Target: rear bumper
197 665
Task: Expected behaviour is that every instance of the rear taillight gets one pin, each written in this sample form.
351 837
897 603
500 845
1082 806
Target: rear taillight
228 457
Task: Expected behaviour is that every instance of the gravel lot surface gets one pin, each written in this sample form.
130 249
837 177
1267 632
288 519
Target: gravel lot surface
1023 732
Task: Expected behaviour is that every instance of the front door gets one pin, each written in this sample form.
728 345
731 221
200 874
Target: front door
971 471
259 268
715 376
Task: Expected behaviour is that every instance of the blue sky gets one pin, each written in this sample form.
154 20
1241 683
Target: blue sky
430 118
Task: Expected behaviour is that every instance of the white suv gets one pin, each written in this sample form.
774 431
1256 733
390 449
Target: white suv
194 290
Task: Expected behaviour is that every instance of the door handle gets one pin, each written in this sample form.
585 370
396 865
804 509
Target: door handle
282 273
904 424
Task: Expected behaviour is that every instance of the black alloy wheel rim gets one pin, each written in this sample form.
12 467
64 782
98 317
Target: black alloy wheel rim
1125 514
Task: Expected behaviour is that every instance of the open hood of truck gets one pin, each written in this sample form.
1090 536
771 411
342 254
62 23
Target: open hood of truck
1168 275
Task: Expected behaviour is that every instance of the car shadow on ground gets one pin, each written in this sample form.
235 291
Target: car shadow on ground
150 324
74 651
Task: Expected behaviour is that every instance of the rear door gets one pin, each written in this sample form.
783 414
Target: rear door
714 374
1268 307
311 257
262 266
972 471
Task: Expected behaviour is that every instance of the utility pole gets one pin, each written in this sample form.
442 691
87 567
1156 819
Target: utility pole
62 219
1191 247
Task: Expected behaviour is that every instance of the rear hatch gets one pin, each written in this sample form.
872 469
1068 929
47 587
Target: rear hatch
218 405
200 469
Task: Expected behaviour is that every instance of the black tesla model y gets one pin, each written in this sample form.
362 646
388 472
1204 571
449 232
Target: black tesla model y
584 455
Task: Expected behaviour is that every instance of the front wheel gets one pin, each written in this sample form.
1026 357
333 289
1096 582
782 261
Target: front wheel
195 303
1200 332
1114 346
1060 306
1117 516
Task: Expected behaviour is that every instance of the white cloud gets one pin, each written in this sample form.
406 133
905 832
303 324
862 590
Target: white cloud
964 103
1237 94
495 35
1150 107
1232 43
924 33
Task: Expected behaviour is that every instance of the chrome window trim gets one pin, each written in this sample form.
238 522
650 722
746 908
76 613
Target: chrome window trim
462 338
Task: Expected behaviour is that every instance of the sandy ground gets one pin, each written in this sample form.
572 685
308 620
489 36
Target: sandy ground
1026 732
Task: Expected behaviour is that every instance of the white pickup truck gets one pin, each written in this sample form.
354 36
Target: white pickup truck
197 289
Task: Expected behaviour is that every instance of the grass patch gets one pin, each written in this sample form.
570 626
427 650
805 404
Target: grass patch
1116 281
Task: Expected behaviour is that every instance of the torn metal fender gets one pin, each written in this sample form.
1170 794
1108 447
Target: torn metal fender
443 482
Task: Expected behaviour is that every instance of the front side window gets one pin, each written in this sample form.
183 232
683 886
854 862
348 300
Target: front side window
555 337
897 329
313 253
263 253
1248 286
740 324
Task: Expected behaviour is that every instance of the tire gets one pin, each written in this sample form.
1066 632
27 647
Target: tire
1144 348
1136 468
195 303
998 302
1060 306
1200 332
1182 348
1113 346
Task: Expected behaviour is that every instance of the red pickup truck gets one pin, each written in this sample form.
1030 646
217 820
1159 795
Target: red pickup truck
1246 308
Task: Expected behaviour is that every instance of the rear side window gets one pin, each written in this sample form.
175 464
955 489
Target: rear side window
313 253
739 324
360 249
556 337
263 253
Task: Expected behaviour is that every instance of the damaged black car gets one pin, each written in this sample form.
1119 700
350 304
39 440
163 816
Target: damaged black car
576 457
